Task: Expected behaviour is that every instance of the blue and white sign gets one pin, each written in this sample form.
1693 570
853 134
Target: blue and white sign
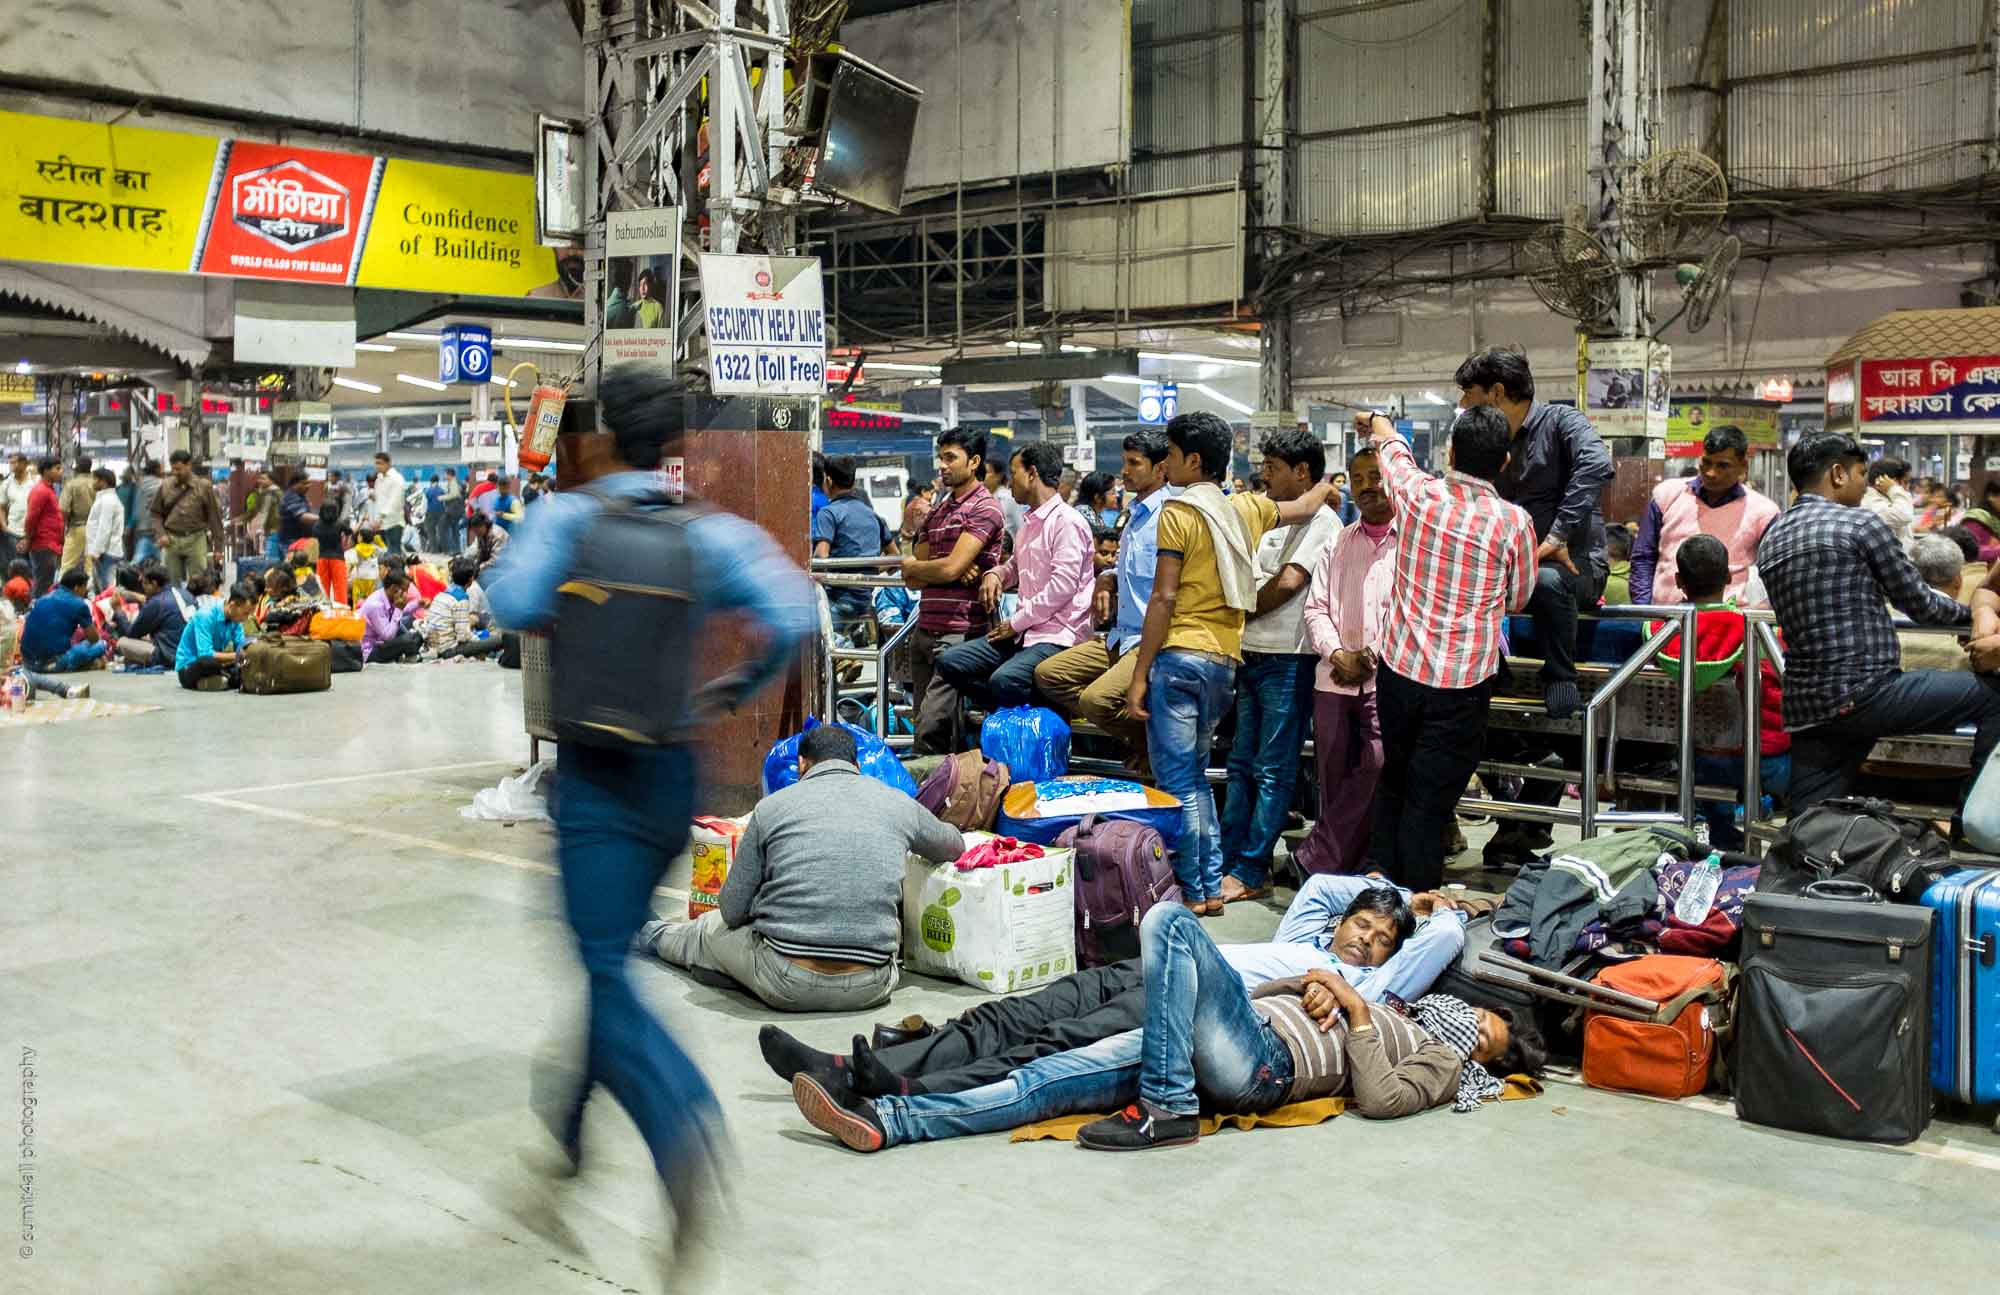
465 354
1159 402
766 325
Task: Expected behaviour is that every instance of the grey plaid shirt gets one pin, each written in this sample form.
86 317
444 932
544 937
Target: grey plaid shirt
1828 568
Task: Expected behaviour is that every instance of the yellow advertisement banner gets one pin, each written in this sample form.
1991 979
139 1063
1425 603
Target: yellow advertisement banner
17 388
454 229
83 193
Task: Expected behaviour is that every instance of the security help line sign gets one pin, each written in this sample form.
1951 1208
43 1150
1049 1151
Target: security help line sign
766 325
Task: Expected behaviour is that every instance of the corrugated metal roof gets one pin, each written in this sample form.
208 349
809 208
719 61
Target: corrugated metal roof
1378 66
1157 19
1874 128
1538 162
1915 334
1389 180
1195 171
1780 35
1544 57
1187 95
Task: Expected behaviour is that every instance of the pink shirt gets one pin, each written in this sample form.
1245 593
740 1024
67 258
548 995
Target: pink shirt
1052 568
1349 601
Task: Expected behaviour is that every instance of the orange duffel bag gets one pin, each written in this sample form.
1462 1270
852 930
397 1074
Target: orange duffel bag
340 626
1671 1050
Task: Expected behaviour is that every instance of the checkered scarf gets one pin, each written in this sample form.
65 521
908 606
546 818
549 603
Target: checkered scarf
1454 1021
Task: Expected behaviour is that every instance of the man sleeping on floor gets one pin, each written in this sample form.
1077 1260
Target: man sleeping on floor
1209 1040
1357 927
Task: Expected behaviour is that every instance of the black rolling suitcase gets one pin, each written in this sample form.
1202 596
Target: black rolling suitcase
1833 1014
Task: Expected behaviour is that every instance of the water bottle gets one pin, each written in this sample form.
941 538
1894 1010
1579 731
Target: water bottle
1696 897
15 692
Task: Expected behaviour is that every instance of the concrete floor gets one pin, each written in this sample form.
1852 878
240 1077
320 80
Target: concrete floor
285 1005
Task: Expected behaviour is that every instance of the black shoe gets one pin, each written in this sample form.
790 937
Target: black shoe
786 1056
1137 1129
907 1030
1560 699
868 1077
846 1116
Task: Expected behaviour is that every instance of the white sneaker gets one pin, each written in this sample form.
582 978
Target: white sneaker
78 692
647 940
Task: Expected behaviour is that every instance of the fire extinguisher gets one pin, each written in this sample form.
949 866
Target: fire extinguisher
537 435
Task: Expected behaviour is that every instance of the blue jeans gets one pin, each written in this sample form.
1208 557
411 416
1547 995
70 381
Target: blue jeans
78 657
1186 694
1274 696
992 675
1774 775
1201 1032
144 546
105 571
273 548
1101 1076
621 818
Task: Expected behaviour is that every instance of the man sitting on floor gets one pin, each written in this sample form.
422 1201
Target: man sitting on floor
807 919
154 635
1357 927
49 642
1053 570
210 655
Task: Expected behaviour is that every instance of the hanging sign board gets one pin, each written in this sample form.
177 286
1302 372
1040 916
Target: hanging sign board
479 441
1933 390
642 260
246 437
766 325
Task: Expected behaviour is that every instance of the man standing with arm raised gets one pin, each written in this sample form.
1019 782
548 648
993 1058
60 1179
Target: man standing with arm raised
1203 588
1464 558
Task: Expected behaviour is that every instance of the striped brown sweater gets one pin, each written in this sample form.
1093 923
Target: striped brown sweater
1395 1067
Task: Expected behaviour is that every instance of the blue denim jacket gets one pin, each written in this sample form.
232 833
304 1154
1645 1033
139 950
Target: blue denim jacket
738 568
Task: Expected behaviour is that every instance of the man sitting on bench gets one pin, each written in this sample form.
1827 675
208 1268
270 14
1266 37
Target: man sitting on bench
807 918
1828 564
1357 927
1200 1022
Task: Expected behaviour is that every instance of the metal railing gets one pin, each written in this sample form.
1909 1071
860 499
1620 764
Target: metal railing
1600 716
859 573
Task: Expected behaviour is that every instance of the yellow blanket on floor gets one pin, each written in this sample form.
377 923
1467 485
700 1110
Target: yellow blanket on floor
1295 1115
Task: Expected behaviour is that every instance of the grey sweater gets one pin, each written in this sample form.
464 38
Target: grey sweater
819 871
1394 1067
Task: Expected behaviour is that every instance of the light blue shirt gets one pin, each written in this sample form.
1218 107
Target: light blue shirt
1138 554
737 568
1302 941
210 631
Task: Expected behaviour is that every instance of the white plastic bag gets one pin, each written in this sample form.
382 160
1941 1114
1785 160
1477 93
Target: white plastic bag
518 798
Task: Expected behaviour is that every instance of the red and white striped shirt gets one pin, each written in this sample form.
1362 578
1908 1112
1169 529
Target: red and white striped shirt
1465 557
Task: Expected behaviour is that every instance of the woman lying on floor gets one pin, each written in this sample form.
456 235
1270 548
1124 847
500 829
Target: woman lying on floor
1208 1041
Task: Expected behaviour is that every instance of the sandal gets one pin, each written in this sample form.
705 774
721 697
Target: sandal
1209 908
1244 893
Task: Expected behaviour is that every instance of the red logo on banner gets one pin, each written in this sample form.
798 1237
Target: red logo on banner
289 204
289 213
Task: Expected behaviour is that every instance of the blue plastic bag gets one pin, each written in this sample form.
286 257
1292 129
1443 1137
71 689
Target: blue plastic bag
1032 741
781 765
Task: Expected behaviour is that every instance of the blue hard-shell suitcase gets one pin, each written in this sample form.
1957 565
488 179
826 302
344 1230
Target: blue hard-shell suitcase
1965 985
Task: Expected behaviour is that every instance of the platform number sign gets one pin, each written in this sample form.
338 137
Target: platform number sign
1159 402
465 354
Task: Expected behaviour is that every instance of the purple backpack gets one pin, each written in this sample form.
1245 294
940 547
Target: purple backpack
1122 870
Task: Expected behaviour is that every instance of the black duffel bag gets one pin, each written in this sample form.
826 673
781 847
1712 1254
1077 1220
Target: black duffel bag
1855 838
1833 1015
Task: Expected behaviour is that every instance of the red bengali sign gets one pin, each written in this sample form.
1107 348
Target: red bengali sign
290 213
1938 389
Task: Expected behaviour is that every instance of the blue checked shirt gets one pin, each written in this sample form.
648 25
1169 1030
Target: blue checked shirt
1827 568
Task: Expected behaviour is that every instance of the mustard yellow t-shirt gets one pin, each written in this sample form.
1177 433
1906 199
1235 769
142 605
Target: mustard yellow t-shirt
1203 620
